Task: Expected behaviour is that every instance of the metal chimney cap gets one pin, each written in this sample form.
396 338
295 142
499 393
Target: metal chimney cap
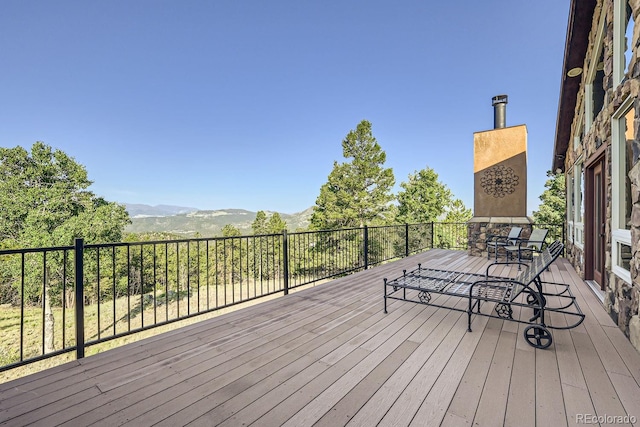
499 99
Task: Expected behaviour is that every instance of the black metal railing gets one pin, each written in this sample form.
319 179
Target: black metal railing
556 232
64 299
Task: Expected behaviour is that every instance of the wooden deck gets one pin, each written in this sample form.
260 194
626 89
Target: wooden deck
329 356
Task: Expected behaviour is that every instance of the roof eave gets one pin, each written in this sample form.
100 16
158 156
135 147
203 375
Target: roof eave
576 44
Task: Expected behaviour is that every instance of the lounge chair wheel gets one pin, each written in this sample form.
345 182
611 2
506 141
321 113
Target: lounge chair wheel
538 336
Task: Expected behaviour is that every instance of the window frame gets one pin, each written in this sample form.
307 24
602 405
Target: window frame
570 204
579 131
620 235
578 213
589 116
620 23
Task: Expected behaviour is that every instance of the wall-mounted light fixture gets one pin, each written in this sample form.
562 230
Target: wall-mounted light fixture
574 72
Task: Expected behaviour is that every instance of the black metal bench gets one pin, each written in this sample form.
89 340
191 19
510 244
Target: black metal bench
526 290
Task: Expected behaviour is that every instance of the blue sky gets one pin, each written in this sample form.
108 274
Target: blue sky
245 103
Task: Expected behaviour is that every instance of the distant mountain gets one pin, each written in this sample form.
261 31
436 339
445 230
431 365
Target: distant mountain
139 210
209 223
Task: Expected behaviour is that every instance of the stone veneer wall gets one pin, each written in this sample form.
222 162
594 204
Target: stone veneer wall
478 228
621 298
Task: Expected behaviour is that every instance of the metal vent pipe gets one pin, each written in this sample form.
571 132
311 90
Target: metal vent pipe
499 103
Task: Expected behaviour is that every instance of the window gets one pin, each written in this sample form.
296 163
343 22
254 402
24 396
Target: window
578 133
622 133
628 39
578 204
581 192
570 205
623 26
595 78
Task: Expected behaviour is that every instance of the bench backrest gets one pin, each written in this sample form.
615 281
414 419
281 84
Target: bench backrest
537 266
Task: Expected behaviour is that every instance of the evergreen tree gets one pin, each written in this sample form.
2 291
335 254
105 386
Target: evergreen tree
259 225
230 231
273 224
358 192
276 223
552 210
457 212
423 198
45 201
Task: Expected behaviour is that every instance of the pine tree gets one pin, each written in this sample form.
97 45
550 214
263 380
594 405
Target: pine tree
457 212
358 192
552 210
423 198
259 225
276 224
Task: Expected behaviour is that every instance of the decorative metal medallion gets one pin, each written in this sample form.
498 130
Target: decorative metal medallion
504 311
499 181
424 297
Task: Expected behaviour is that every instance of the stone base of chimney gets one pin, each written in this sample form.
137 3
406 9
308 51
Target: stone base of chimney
479 227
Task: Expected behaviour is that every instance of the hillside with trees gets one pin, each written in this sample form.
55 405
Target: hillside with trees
209 223
154 273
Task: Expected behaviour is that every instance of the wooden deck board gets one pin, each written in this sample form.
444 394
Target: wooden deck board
410 401
493 400
328 355
434 407
465 401
420 372
521 401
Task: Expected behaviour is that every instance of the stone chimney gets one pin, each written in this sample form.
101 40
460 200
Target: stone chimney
500 179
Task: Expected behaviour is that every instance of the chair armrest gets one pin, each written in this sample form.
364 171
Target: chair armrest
486 274
496 238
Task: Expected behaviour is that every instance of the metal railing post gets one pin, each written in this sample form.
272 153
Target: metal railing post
79 296
285 256
406 240
366 247
432 236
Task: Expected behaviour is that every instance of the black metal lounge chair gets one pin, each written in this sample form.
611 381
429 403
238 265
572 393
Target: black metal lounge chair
496 242
500 294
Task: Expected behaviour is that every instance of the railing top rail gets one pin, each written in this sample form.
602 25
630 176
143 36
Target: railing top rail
326 230
172 241
35 250
219 238
372 227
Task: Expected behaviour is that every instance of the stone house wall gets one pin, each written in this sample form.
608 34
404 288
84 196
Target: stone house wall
621 299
